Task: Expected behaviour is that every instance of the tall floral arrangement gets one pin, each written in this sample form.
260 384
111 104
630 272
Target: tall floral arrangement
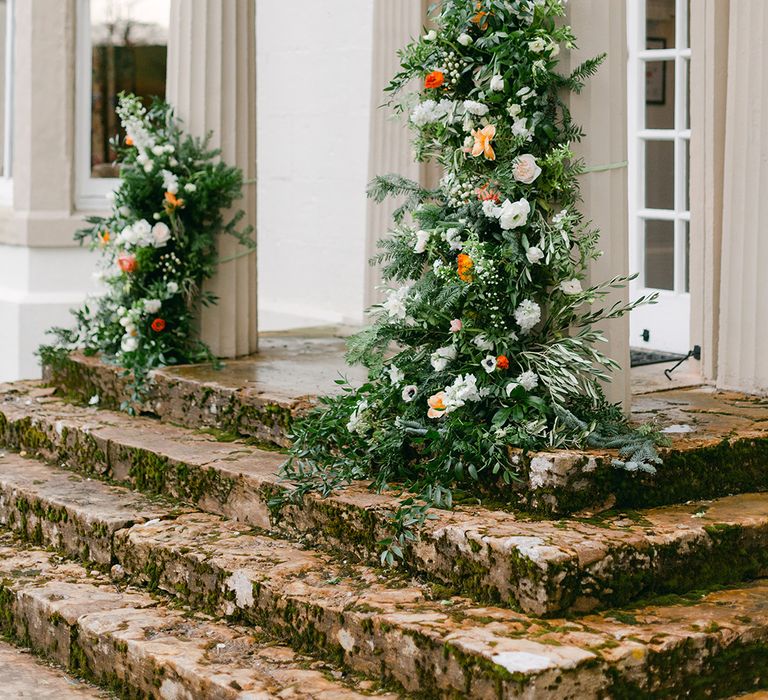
486 339
156 246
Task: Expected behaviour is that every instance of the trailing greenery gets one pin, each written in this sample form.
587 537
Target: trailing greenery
157 246
486 341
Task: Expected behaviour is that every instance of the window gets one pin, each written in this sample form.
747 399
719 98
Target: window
122 46
659 140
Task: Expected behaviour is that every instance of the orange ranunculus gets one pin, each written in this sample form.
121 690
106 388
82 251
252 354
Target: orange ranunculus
127 263
464 267
486 193
483 138
502 362
436 405
172 202
158 325
434 80
128 141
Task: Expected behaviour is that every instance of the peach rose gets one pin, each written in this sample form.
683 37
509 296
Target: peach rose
525 169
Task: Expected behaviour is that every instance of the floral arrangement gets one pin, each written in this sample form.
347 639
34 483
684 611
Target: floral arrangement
485 343
156 247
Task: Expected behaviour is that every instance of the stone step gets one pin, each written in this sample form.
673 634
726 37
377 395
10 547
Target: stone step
26 678
408 633
542 567
138 646
719 439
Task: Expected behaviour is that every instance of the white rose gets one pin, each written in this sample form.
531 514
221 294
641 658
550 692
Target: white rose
497 83
513 110
534 255
422 237
537 45
152 306
161 234
525 169
554 49
431 35
129 343
190 187
172 288
520 128
513 215
464 39
158 150
570 287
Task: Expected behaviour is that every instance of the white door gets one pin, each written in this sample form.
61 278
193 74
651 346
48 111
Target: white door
659 140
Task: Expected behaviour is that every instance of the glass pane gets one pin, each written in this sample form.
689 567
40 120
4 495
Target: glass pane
686 168
687 256
129 50
3 69
660 24
660 175
660 95
660 254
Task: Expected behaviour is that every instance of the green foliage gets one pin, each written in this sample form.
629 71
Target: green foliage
487 341
157 247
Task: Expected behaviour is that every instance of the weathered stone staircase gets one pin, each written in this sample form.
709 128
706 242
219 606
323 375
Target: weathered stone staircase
140 553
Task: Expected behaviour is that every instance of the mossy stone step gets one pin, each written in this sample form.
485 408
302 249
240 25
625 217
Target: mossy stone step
542 567
137 646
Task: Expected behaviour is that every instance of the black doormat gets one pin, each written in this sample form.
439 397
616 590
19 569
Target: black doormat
651 357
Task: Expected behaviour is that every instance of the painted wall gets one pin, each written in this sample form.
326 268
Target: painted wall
313 100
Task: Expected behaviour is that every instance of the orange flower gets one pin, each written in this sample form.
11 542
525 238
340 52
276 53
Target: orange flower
158 325
434 80
502 362
478 19
127 263
464 267
172 203
486 193
103 237
483 138
436 405
128 141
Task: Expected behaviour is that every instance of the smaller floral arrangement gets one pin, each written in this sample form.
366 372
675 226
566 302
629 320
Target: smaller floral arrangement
156 247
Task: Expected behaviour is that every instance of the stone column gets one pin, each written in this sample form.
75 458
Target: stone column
212 85
601 109
395 23
743 342
709 83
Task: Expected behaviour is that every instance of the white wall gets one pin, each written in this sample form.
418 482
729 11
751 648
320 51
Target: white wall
314 72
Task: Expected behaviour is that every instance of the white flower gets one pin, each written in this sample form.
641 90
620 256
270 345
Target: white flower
528 380
463 389
525 169
497 83
520 128
534 255
170 182
524 92
158 150
511 387
512 215
490 209
431 35
190 187
395 375
424 113
570 287
124 211
129 343
422 237
152 306
94 400
148 166
437 265
395 302
554 49
127 237
476 108
451 237
441 357
172 288
356 423
513 110
143 232
527 315
537 45
161 234
409 393
482 343
489 363
558 220
169 148
464 39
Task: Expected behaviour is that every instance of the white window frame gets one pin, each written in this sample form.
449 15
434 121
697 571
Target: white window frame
6 181
673 304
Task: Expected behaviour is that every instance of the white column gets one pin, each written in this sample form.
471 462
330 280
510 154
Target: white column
743 343
709 82
395 23
601 109
43 272
212 85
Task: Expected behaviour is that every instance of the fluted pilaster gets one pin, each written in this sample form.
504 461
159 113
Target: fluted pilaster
601 109
743 356
212 85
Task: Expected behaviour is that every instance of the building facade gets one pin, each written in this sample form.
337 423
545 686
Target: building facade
676 150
